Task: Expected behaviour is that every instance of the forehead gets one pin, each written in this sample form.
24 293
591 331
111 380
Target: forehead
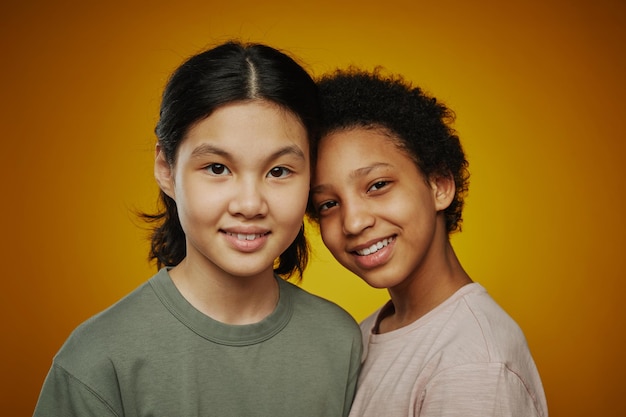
363 142
247 127
352 152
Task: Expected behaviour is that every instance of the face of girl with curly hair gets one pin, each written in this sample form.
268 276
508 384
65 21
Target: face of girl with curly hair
378 215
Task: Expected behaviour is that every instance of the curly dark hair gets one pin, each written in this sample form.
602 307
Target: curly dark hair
355 98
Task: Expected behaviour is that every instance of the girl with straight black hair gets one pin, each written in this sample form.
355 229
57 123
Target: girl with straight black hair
218 330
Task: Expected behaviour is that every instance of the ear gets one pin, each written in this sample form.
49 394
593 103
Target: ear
443 191
163 172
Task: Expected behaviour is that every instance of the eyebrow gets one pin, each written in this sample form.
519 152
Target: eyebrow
289 150
209 149
357 173
361 172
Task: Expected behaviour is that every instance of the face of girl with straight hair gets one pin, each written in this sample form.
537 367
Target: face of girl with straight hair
209 92
240 183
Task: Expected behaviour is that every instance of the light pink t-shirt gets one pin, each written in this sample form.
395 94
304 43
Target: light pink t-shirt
465 358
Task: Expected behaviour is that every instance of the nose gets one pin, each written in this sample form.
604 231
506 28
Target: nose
248 200
356 218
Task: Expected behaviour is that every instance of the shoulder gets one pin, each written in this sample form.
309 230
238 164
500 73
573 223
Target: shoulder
468 327
490 347
317 309
491 324
99 337
305 299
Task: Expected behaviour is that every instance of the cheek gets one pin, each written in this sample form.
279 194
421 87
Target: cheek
198 203
330 234
296 199
289 204
408 205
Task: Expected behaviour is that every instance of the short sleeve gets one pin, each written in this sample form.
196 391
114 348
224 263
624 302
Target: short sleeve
477 390
63 395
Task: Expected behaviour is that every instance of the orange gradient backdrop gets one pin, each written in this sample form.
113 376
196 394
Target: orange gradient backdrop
538 88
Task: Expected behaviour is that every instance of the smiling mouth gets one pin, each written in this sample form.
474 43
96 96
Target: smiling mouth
375 247
246 236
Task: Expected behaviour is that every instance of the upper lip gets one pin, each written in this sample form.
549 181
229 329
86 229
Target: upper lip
369 243
245 230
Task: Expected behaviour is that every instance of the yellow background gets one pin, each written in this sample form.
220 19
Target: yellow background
538 87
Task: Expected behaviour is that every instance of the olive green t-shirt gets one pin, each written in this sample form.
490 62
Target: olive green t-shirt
154 354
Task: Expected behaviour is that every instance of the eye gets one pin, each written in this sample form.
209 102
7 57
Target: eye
378 185
279 172
217 169
326 206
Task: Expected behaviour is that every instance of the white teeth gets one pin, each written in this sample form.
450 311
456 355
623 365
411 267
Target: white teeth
242 236
375 247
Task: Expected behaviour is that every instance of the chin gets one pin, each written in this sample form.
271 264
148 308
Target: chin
249 271
376 285
378 281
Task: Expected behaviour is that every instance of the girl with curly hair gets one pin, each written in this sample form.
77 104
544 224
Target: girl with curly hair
388 189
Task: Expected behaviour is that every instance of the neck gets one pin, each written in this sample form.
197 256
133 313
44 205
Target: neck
228 299
424 290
